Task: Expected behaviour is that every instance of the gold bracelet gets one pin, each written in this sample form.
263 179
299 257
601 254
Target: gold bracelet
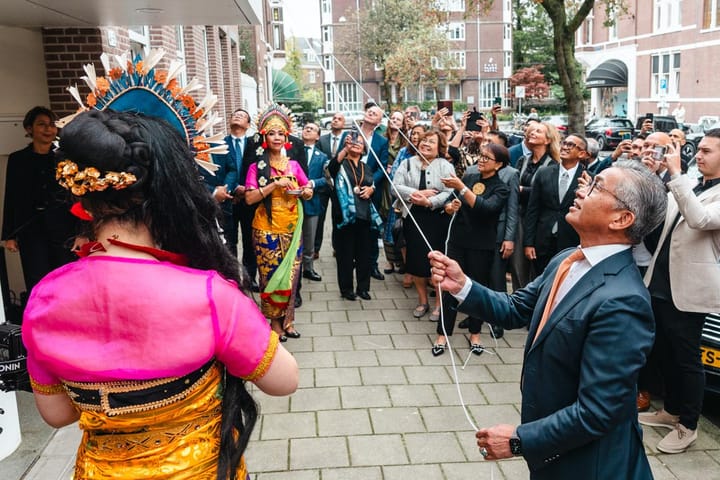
261 192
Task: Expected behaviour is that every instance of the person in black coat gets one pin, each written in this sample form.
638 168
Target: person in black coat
481 197
37 221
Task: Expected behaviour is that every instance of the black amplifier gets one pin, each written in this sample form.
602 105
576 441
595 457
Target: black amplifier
13 359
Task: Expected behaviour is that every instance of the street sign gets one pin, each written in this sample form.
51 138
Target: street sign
520 92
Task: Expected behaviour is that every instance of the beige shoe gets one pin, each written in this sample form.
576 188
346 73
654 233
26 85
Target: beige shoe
678 440
661 418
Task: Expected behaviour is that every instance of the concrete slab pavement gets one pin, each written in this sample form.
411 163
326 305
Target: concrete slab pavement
373 403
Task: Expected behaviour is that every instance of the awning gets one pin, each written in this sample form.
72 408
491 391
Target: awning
285 90
611 73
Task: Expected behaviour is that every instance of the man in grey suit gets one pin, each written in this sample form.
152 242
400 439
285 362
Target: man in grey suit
329 144
590 330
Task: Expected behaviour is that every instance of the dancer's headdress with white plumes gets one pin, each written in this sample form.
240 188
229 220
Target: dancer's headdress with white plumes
137 86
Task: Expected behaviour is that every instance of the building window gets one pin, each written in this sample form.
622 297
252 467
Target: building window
489 89
507 31
311 76
458 59
348 98
326 34
711 13
451 5
180 53
139 40
613 28
325 6
328 63
589 30
666 15
508 60
456 31
665 75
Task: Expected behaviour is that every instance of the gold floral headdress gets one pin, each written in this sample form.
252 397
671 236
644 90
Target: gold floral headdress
275 116
138 86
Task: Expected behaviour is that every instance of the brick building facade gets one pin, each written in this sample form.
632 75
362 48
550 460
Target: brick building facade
664 49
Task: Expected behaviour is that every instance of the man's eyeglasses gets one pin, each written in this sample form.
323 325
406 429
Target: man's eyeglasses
570 145
594 184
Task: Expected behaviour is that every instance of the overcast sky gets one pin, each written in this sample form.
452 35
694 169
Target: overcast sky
302 18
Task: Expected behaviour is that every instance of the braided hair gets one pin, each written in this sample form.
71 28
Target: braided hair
171 200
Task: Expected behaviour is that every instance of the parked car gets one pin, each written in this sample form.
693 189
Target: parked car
661 123
710 348
558 121
693 134
608 131
351 117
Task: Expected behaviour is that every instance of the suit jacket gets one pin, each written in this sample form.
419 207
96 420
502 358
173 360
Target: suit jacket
599 165
694 247
226 174
579 379
297 152
316 173
509 218
377 162
544 209
516 151
325 144
476 228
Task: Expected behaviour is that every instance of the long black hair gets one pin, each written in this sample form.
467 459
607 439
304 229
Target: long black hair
171 200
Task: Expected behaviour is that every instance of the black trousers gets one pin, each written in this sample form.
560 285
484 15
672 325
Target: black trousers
243 216
324 200
42 252
352 253
477 265
677 352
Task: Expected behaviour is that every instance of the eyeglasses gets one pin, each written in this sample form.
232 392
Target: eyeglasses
567 144
486 158
593 185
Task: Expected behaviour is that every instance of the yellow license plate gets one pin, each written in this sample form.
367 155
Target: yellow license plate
710 356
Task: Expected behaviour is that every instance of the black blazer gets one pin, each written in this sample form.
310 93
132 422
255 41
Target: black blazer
544 209
34 199
476 228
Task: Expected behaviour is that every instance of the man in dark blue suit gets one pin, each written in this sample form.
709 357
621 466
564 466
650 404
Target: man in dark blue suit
591 328
312 208
376 160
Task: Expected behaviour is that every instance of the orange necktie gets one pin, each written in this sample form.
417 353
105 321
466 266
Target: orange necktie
560 275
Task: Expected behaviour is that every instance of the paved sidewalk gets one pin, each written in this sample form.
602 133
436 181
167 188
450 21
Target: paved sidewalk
373 403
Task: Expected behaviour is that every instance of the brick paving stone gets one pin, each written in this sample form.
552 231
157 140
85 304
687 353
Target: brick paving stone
329 317
397 315
443 419
448 394
318 453
328 377
341 304
398 358
363 358
317 306
427 375
390 293
313 399
413 395
512 469
510 355
407 304
302 344
324 295
488 415
332 344
356 473
294 475
365 315
473 373
334 423
307 378
691 465
421 326
377 304
383 376
365 397
396 420
269 403
314 359
497 393
433 448
373 342
275 426
381 450
659 470
384 327
349 328
313 329
267 456
404 472
472 470
506 373
412 341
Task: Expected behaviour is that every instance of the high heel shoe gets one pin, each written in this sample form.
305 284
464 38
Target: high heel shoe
292 333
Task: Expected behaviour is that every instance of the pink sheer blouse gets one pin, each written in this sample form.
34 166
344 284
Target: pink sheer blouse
106 318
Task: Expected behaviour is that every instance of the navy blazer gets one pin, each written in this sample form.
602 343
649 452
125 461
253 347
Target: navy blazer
545 208
376 161
316 173
579 379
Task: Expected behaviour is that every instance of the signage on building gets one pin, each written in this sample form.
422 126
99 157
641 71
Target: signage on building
491 66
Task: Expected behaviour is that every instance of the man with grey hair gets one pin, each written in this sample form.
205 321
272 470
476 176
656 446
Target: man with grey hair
591 328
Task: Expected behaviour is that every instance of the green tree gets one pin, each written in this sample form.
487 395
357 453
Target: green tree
293 62
531 43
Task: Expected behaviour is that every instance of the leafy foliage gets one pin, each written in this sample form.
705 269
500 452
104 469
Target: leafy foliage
533 80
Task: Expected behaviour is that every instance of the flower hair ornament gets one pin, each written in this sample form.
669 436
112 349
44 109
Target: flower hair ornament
137 86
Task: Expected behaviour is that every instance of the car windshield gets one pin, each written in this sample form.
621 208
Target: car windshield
620 123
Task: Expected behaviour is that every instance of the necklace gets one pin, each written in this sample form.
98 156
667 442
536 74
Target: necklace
356 188
279 164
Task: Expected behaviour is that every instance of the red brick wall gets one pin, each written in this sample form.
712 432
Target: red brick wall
215 65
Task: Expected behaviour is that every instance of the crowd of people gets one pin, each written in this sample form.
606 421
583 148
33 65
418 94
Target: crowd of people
645 276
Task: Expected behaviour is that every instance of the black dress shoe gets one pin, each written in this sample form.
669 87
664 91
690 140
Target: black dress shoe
375 273
497 332
389 270
254 286
348 296
292 334
298 301
283 338
312 275
364 295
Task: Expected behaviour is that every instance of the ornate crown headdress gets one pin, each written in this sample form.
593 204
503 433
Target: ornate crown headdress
137 86
274 116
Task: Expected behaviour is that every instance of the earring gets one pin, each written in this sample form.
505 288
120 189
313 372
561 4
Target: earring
264 145
288 145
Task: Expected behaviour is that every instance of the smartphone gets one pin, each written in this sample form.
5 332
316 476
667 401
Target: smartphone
626 136
414 115
445 104
354 135
470 125
497 101
650 116
659 152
